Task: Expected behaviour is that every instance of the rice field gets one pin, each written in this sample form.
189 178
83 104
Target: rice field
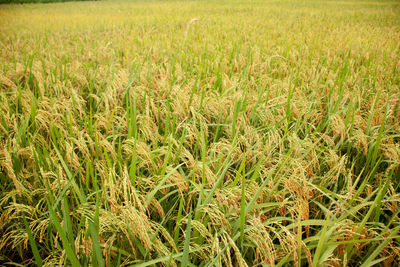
200 133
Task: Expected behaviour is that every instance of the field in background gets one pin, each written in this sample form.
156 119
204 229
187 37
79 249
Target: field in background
200 133
36 1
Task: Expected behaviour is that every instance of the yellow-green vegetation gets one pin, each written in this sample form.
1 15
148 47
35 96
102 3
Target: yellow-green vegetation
36 1
200 133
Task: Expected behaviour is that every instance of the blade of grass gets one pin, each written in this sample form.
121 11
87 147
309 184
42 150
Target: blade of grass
32 242
186 248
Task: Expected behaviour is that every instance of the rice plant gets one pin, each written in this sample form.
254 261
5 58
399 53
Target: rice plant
200 133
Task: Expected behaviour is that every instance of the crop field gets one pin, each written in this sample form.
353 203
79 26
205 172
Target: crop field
200 133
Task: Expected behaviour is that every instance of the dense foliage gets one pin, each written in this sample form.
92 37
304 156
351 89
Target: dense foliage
200 133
